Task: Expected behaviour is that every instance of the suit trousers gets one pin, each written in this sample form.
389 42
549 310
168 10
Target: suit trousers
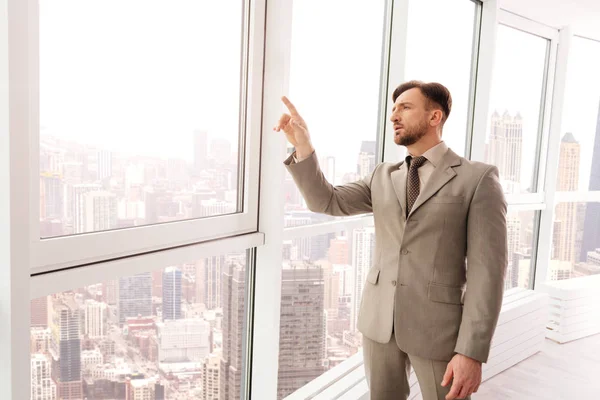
387 370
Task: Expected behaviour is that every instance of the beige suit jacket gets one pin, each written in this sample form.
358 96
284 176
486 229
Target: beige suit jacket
419 280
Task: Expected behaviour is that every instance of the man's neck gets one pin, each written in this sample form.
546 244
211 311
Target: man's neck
419 148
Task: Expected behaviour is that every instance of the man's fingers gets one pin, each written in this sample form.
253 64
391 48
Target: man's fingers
290 106
447 375
283 121
454 391
464 392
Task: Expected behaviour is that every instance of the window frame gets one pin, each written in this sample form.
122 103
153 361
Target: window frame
53 254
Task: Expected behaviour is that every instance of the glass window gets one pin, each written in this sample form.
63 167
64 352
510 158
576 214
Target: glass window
173 333
322 281
522 234
139 123
575 241
513 133
430 58
335 81
580 142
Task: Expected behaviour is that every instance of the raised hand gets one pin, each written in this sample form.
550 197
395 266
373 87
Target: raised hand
295 130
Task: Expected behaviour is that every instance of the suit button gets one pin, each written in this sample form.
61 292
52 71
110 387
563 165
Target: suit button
405 252
393 283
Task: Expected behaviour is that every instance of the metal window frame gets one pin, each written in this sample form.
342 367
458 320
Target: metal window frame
63 252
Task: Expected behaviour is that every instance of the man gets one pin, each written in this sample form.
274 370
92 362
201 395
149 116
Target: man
434 213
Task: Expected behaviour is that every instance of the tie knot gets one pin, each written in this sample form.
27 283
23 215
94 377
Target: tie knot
416 162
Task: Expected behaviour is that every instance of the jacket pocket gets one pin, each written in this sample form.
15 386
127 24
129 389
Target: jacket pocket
444 294
447 199
373 276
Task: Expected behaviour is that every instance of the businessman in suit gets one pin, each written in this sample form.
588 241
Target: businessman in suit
434 293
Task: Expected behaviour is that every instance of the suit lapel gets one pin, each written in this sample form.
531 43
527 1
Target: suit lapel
440 176
399 183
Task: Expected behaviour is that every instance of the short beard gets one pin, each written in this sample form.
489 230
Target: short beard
413 135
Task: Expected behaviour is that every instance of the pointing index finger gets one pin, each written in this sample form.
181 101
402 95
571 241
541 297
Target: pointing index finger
290 106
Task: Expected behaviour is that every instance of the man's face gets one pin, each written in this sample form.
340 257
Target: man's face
410 117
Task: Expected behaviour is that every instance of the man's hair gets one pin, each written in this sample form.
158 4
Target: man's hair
434 92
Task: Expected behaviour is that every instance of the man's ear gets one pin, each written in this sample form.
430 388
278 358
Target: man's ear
436 117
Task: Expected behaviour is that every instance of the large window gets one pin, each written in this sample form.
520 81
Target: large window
439 48
335 81
579 168
517 99
575 241
140 122
173 333
322 281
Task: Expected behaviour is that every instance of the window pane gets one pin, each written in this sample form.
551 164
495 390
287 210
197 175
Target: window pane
335 84
575 241
522 236
139 123
170 334
515 105
322 282
453 22
580 144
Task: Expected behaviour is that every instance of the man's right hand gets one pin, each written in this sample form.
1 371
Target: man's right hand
295 130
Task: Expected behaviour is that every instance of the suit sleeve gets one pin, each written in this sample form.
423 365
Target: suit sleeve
486 267
322 197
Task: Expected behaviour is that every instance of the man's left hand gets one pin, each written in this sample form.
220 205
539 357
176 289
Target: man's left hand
465 374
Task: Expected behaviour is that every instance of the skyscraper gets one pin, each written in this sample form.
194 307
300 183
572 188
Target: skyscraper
233 295
65 348
363 250
104 161
211 271
591 229
51 195
135 296
210 376
513 227
566 213
39 312
42 386
200 151
366 158
95 317
506 143
171 296
302 327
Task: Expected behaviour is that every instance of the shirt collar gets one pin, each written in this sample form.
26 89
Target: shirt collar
435 154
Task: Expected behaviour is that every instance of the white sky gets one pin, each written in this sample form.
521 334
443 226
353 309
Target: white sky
142 75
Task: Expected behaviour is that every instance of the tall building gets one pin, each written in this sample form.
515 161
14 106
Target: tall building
65 348
51 195
210 279
234 306
591 229
210 376
75 200
104 161
338 250
200 151
39 312
95 317
566 213
301 332
366 158
171 294
363 251
328 168
135 296
513 227
42 386
506 145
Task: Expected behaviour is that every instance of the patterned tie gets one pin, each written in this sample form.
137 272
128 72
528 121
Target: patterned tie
412 183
